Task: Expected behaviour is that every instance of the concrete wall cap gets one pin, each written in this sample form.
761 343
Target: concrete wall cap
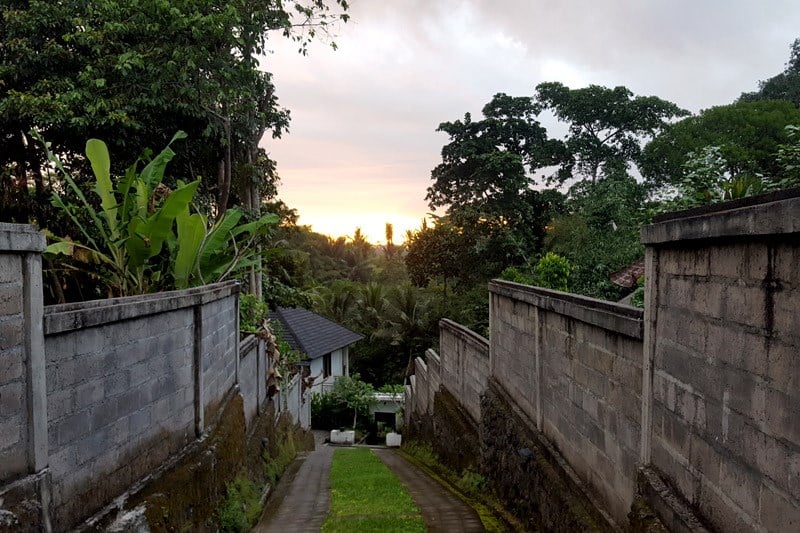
68 317
773 214
465 334
20 238
620 318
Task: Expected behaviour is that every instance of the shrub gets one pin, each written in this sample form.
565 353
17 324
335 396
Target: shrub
637 300
552 271
252 313
242 506
285 453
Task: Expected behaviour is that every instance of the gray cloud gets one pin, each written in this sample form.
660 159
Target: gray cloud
404 66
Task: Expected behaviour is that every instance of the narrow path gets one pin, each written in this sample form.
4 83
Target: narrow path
302 498
442 510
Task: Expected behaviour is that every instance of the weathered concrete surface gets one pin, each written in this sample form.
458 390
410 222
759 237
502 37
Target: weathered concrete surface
455 436
130 382
442 511
464 364
530 476
24 481
573 365
770 215
302 500
724 363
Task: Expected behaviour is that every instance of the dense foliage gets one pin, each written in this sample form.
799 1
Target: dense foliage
511 199
134 73
144 238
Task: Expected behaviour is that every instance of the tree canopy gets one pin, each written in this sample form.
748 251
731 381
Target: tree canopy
748 134
134 73
606 125
782 86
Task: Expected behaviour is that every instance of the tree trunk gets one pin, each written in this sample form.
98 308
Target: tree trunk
225 189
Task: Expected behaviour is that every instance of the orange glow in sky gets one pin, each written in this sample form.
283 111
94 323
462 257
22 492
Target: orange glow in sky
337 200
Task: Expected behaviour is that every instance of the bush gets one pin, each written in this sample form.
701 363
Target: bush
284 455
637 300
552 272
242 506
327 412
252 313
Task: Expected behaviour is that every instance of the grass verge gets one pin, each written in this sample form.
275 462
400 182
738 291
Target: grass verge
367 497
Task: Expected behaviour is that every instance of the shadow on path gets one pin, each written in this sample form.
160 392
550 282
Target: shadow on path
302 497
442 510
301 500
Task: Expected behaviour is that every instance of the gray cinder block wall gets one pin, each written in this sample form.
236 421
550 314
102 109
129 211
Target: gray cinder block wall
23 417
464 364
701 391
122 387
573 365
95 396
723 360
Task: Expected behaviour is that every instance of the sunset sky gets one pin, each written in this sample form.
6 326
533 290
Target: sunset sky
362 140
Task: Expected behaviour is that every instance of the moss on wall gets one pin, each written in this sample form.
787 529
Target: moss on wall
527 477
454 435
188 496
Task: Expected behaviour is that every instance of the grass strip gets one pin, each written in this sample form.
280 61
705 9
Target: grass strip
366 496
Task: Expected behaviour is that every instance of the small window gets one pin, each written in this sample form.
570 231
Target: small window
326 365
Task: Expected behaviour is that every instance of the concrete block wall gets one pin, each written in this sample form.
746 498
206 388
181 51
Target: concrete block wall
220 348
253 375
121 388
573 365
419 402
23 446
724 361
464 364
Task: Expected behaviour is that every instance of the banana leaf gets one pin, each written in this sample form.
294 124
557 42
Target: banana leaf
191 233
97 152
147 237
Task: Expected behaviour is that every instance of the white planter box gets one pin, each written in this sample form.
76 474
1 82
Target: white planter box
343 437
394 439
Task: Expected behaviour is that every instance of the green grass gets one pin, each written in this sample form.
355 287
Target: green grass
366 496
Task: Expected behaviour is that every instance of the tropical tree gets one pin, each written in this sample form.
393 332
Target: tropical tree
354 394
782 86
748 134
135 72
337 301
600 232
606 125
488 163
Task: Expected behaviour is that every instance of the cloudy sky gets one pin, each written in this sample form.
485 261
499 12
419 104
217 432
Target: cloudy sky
362 141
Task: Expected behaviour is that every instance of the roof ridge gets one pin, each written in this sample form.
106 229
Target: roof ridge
313 333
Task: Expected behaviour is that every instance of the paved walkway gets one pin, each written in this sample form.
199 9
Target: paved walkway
301 500
442 511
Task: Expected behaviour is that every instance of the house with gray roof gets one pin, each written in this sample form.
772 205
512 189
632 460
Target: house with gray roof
324 342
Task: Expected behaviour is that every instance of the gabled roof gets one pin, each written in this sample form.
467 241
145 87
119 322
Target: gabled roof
311 333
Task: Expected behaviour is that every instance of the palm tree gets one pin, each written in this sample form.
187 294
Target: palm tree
409 316
337 301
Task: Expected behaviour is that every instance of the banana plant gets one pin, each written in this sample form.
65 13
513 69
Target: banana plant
119 241
122 244
219 252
